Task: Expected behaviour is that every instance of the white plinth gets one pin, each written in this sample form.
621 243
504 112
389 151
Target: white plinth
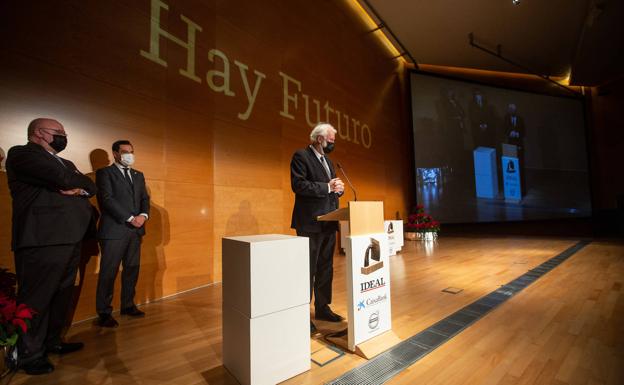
267 349
486 177
266 316
263 274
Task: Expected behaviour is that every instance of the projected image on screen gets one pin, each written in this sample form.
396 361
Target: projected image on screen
488 154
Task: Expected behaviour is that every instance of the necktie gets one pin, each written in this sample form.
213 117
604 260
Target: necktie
59 159
325 166
127 175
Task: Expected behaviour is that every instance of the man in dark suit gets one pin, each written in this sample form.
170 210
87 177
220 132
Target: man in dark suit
482 121
51 214
514 127
453 131
514 134
313 180
124 202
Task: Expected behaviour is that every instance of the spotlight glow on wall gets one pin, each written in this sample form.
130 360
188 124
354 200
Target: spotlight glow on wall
368 20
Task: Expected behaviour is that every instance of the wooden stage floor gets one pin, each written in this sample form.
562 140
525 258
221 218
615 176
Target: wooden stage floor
565 328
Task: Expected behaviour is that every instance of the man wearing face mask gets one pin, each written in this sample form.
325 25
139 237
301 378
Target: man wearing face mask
313 180
51 214
123 200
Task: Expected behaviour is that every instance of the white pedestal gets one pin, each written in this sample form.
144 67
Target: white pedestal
486 177
266 316
394 230
267 349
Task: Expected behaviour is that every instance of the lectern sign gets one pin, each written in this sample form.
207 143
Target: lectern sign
368 277
394 229
369 302
511 178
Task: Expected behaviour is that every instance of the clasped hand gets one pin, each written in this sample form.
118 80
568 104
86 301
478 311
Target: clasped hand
138 221
336 185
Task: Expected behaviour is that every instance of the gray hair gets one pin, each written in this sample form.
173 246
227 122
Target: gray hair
321 129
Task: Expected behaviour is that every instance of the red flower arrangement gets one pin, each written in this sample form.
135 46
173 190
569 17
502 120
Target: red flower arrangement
421 223
14 319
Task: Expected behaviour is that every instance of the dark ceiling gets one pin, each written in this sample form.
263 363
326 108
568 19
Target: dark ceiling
581 38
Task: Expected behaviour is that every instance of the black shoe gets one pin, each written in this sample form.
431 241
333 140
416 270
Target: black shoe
133 312
313 329
326 314
107 321
65 347
38 366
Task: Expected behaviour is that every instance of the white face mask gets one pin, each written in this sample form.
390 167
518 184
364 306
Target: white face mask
127 159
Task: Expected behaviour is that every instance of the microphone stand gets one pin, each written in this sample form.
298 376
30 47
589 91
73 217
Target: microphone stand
348 181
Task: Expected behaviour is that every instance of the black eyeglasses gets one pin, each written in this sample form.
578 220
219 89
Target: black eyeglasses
55 132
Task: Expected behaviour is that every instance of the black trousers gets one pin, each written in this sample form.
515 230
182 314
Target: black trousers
125 251
45 279
322 247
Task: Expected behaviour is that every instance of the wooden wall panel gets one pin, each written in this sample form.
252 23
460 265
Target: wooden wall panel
214 165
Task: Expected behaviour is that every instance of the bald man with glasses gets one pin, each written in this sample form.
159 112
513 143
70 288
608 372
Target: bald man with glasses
51 215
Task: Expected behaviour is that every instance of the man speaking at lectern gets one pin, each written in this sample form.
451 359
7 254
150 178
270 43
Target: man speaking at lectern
313 180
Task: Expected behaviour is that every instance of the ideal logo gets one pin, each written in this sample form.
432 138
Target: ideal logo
373 320
372 285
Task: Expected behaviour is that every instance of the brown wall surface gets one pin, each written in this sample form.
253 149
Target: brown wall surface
216 164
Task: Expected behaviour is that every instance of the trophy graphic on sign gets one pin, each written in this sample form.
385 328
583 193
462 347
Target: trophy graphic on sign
372 258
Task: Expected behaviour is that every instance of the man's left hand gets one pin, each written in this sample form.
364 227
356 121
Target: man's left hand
138 221
72 192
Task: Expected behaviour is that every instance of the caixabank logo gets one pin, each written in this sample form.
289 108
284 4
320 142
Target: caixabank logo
371 301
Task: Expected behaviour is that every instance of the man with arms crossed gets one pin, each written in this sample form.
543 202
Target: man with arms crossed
51 214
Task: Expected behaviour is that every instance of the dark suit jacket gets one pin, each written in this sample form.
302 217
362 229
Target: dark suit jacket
482 115
42 216
119 201
308 181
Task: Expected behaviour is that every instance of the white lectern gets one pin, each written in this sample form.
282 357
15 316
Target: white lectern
512 181
368 279
266 307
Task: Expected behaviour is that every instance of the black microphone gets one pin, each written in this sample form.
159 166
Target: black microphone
348 181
